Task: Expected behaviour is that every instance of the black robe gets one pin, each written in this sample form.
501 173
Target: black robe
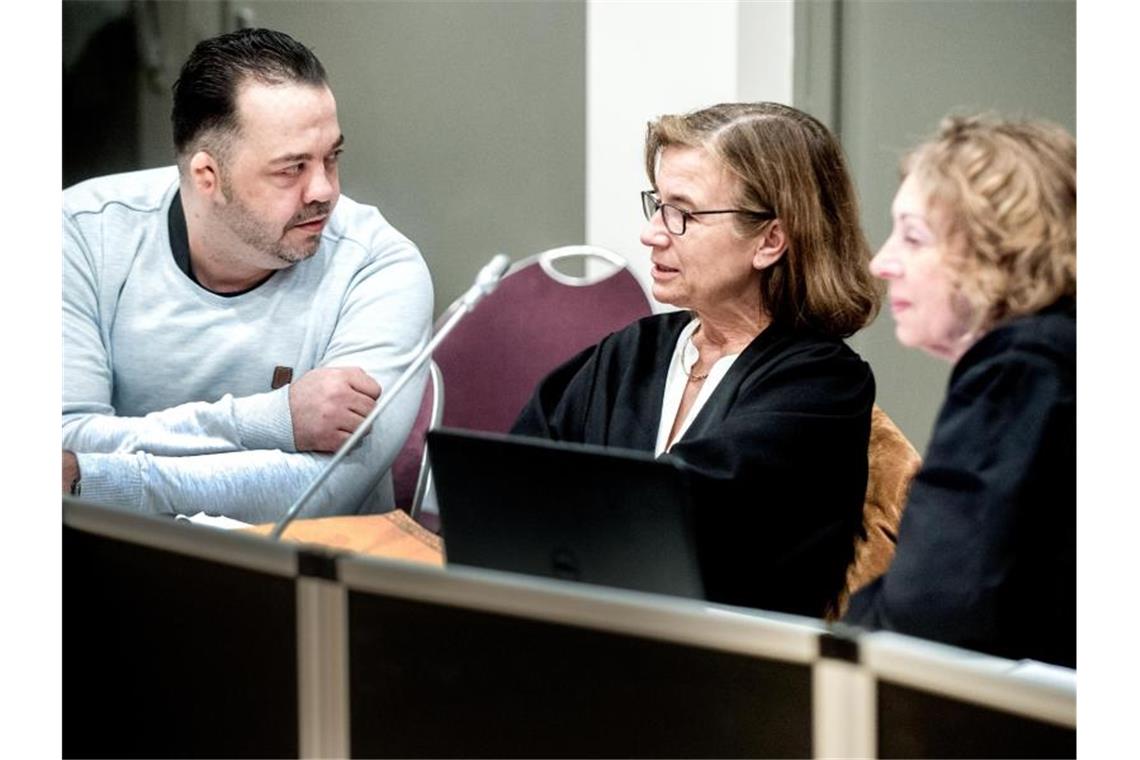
777 457
986 555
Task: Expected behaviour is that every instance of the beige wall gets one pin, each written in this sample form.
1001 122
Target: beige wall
732 50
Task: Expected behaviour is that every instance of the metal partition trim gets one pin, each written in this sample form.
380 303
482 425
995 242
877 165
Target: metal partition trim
237 549
750 632
972 677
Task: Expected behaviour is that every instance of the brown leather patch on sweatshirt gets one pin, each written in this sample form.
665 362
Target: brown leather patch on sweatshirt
281 376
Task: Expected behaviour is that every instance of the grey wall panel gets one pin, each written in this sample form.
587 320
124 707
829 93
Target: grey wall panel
899 67
465 121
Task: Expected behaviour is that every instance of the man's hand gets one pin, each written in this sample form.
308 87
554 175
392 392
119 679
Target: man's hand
70 470
328 404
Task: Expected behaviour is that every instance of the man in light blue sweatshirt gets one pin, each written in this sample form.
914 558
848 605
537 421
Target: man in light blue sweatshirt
229 322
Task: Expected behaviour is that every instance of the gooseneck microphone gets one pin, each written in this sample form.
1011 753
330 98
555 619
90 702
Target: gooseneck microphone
486 281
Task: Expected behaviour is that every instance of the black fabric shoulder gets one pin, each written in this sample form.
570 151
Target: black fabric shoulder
986 555
1051 334
1005 361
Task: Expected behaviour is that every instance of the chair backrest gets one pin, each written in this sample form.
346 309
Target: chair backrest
410 476
891 464
537 318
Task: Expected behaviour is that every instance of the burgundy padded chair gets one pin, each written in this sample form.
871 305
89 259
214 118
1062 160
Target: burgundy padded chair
411 477
536 319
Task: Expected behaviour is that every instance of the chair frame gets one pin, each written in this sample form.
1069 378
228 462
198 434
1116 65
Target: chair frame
546 259
423 480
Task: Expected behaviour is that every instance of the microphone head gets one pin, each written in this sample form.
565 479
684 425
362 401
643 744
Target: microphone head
489 276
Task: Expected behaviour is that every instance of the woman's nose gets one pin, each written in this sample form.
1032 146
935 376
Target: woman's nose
654 234
885 264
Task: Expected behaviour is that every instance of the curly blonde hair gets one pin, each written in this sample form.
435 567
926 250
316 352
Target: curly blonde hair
1007 192
788 162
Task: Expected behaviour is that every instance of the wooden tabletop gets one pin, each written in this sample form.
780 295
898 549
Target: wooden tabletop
393 535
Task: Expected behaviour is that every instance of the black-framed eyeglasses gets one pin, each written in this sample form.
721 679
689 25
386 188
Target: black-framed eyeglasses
675 218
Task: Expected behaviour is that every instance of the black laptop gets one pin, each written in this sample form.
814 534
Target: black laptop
598 515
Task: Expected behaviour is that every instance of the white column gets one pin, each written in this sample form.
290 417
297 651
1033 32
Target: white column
322 668
843 710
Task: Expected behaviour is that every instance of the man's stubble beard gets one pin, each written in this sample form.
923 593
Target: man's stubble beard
249 230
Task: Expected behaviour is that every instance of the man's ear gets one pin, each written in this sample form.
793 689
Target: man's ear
205 175
770 246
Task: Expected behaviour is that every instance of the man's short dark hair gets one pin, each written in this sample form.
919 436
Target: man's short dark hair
205 93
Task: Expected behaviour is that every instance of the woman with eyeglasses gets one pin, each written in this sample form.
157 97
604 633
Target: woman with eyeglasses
982 272
754 234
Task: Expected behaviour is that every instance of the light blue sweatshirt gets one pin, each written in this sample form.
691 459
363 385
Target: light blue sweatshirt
167 397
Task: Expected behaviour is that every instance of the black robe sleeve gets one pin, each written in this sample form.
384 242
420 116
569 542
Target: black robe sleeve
777 458
986 551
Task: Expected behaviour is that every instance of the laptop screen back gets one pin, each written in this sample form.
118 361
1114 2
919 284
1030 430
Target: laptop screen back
610 517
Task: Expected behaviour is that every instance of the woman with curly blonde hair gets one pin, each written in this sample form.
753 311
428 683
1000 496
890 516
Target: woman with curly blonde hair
981 268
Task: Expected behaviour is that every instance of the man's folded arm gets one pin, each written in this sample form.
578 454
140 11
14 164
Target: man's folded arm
260 421
253 486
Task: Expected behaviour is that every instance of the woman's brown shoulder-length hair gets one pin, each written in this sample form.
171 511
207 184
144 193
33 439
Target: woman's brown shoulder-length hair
788 162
